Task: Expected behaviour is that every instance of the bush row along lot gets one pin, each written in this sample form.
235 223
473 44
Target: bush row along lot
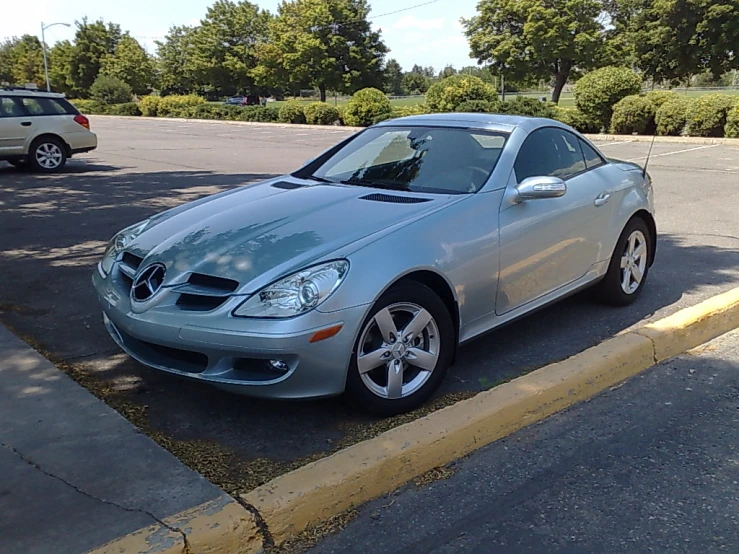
53 229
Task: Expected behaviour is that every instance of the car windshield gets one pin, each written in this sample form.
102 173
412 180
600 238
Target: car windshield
417 159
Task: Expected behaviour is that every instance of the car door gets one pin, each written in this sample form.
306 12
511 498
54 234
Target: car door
548 243
14 126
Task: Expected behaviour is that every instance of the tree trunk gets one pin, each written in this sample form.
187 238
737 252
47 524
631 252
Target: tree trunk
322 89
560 79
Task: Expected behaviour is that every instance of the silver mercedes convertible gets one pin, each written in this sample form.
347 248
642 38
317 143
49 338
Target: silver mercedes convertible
364 270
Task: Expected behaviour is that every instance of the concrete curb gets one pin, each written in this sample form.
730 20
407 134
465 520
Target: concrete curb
350 477
631 138
218 527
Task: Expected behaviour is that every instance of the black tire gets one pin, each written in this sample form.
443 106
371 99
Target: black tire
47 148
611 289
403 296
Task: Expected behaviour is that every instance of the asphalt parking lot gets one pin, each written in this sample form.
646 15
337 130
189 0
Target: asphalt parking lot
53 230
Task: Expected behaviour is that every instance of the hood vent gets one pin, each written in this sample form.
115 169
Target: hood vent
287 186
392 199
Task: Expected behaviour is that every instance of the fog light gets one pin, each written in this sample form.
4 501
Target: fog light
279 365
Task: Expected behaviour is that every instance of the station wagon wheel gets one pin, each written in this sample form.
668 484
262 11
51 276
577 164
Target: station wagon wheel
629 265
47 154
403 351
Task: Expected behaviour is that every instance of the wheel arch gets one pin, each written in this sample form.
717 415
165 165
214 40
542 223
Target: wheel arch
645 216
48 135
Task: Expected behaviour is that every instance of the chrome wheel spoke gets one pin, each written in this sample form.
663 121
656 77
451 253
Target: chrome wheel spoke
395 379
640 250
422 359
416 326
632 245
371 360
626 282
637 272
385 323
624 262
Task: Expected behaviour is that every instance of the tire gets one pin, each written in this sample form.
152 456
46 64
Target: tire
47 155
613 289
372 389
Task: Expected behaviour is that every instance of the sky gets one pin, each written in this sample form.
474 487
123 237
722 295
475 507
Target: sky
429 35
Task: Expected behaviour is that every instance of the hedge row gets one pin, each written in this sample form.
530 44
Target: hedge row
606 99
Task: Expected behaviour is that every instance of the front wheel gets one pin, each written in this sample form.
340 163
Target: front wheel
47 155
629 265
403 351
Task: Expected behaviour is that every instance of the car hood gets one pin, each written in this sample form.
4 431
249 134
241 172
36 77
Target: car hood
273 227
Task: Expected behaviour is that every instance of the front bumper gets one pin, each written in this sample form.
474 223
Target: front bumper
234 353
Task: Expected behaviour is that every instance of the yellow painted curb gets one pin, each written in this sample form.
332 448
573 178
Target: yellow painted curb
350 477
693 326
221 526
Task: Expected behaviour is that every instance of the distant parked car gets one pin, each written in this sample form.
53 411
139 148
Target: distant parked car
363 270
249 100
41 129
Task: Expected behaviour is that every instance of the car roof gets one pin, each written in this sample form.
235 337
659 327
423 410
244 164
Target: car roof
493 122
20 91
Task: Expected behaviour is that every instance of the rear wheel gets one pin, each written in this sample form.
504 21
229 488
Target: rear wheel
47 155
403 351
629 265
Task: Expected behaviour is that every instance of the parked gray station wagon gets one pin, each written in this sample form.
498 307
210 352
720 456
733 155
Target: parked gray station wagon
363 271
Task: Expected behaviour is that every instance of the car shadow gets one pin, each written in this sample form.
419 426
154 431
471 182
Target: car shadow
53 230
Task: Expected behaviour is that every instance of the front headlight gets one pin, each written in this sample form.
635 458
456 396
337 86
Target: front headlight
118 243
296 294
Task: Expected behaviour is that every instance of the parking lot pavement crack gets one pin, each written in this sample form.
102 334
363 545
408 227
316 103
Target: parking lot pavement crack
30 462
268 542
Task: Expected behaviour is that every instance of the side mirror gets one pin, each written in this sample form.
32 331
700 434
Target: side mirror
535 188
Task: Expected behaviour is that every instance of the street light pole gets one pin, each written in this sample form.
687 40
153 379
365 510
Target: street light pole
43 50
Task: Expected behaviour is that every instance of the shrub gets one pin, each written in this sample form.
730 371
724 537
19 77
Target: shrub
90 107
598 91
292 112
259 114
446 95
526 105
479 106
731 129
110 90
576 119
406 111
706 116
670 116
149 105
320 113
633 114
177 106
659 97
126 108
365 106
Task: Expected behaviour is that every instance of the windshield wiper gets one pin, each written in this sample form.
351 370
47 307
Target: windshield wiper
321 179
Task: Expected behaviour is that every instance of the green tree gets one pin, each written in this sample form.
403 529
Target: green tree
393 78
429 71
415 83
93 42
110 90
224 46
131 64
175 61
21 61
674 39
328 44
60 62
6 59
448 71
530 39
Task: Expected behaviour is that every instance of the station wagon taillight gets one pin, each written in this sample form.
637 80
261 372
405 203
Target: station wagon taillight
82 120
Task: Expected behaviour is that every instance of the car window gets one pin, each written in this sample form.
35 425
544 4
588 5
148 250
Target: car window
592 158
418 159
9 107
45 106
549 152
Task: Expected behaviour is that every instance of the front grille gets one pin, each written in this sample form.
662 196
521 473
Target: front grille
203 293
164 356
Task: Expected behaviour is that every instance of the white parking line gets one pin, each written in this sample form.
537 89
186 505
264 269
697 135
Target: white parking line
675 152
602 144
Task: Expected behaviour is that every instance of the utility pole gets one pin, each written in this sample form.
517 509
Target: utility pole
43 50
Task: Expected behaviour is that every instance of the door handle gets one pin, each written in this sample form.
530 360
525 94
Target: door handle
602 199
26 123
